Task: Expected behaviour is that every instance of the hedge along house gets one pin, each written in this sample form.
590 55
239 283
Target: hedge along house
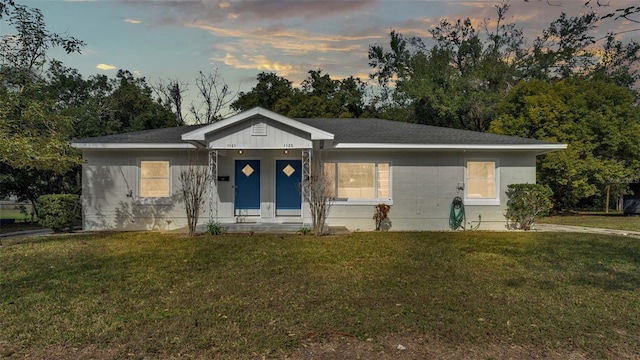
258 160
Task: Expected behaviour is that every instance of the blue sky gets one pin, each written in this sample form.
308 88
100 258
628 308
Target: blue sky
162 39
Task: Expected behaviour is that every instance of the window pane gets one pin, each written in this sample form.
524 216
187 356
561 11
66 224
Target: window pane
154 179
481 170
481 179
480 189
383 180
154 187
330 179
154 169
356 180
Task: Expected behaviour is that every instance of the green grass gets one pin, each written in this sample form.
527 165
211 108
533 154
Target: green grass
149 295
616 221
21 223
11 214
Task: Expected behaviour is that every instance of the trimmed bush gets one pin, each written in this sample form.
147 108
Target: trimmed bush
526 203
58 211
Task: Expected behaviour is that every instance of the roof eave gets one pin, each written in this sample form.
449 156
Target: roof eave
107 146
539 148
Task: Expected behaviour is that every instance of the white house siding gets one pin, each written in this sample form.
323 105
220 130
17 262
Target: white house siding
110 189
424 185
275 136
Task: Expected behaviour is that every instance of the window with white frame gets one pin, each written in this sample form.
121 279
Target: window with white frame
155 179
358 180
482 182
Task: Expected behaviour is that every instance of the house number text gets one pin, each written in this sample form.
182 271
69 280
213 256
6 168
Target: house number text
287 145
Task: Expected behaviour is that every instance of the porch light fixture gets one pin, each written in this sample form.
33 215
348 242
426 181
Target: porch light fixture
240 152
285 151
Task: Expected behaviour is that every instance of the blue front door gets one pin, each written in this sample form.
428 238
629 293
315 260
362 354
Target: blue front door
247 187
288 178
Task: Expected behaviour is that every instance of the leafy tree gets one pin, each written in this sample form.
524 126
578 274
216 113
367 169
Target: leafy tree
457 82
5 6
130 106
35 133
272 92
23 53
563 49
44 104
29 184
318 96
596 118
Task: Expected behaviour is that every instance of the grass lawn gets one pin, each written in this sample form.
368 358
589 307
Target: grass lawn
440 295
20 224
617 221
13 214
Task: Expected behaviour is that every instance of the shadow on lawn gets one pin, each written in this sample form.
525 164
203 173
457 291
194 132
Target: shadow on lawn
590 261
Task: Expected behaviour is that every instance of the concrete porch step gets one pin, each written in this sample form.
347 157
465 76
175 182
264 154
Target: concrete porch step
271 228
247 227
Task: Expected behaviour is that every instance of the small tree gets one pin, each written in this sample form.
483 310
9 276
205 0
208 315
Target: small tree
526 203
317 190
194 181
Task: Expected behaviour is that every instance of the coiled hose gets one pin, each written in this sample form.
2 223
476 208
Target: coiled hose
457 217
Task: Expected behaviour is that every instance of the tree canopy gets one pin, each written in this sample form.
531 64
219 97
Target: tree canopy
318 96
599 121
44 105
458 81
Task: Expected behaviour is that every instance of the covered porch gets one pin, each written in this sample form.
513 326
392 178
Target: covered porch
258 162
259 186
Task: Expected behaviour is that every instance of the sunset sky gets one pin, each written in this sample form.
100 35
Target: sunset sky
162 39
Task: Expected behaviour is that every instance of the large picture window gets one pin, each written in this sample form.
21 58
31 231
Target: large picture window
155 179
358 180
481 182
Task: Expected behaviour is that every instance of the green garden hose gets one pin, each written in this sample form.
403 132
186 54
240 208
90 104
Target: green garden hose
457 217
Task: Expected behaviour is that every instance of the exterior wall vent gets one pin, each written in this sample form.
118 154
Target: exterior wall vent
259 128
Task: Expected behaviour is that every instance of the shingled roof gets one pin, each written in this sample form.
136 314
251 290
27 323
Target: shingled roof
347 133
379 131
164 136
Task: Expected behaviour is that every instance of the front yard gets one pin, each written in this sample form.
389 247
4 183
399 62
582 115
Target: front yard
613 220
439 295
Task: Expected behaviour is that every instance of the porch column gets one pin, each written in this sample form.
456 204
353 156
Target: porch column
213 187
306 176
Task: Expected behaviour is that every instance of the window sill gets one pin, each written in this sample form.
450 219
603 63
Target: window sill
362 201
490 202
153 201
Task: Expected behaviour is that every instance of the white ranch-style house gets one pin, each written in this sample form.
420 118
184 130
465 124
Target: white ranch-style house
258 159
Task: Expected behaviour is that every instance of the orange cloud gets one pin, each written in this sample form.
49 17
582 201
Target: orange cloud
105 67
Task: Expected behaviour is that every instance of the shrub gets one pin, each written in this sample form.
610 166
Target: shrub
305 231
526 203
215 228
58 211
